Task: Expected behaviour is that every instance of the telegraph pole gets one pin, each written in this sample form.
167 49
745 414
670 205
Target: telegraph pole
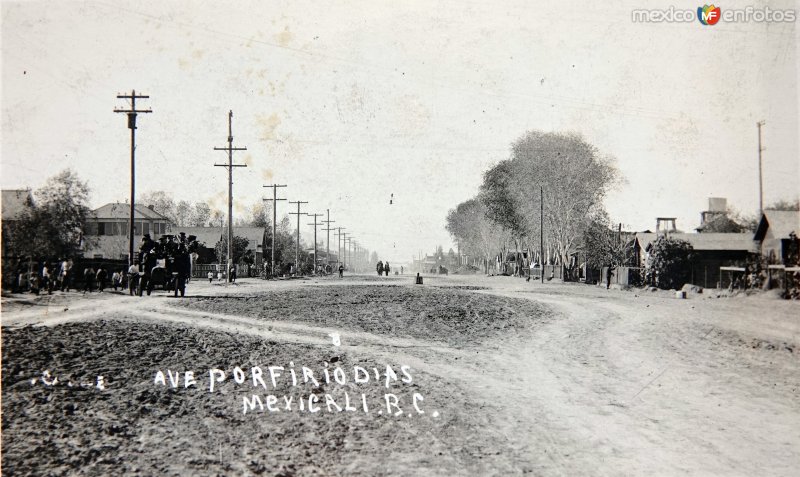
230 165
339 245
328 239
132 112
541 232
315 224
274 200
297 245
344 249
760 124
350 252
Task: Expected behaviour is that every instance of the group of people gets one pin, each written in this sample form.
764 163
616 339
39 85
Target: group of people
60 276
382 268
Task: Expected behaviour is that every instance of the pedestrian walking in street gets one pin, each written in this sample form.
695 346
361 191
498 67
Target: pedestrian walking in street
115 280
379 268
210 277
386 268
341 271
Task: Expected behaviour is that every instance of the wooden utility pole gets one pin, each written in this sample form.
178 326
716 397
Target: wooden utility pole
230 165
328 239
339 245
315 224
132 112
541 231
297 245
761 149
274 200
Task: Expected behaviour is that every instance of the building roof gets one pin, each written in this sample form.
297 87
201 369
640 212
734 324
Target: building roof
208 236
252 234
705 241
782 223
121 211
14 202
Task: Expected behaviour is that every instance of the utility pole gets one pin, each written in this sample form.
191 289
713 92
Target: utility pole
297 245
541 231
760 124
315 224
132 112
328 239
344 249
230 165
339 245
348 253
274 200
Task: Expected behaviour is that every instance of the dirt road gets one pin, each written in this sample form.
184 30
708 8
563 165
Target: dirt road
549 379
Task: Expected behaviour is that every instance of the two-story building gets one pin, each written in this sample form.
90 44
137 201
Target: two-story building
107 229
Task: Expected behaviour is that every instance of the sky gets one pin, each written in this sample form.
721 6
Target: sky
349 102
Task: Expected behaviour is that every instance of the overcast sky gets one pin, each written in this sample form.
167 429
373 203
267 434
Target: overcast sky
348 102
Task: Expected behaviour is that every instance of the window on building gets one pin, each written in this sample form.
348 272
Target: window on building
101 228
145 228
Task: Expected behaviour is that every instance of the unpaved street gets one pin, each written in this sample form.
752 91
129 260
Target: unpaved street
548 379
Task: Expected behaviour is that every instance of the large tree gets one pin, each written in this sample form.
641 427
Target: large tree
476 233
53 226
574 179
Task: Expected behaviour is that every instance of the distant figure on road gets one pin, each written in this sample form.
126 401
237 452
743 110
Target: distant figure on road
608 275
210 277
379 268
88 279
401 269
233 274
101 279
386 268
341 271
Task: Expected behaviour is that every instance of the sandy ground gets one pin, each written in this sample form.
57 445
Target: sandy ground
546 379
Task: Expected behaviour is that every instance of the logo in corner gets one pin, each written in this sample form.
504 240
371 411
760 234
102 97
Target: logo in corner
709 14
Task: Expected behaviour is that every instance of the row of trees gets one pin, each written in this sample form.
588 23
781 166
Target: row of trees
555 179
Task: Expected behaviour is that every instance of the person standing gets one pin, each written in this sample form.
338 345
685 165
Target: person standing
341 271
210 277
101 279
115 280
379 268
386 268
133 278
64 274
608 275
88 279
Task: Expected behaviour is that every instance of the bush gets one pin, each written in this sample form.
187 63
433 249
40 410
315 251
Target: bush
670 263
